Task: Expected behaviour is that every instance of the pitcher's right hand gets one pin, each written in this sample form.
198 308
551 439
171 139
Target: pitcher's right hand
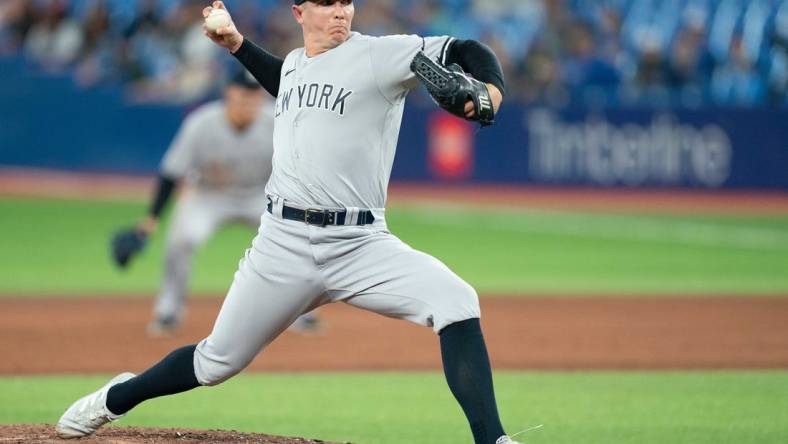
227 37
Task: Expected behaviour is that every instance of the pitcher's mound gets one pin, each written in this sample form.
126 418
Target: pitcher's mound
45 434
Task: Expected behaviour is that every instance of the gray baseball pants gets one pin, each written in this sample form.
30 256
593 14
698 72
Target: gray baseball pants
292 268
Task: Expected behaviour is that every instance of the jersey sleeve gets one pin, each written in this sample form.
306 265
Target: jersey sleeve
180 156
391 57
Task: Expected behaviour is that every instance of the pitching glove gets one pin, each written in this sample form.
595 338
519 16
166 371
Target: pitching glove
451 88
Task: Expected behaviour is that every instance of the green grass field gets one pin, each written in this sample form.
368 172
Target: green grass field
61 246
392 408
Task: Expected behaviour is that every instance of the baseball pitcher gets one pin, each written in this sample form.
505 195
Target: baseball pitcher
323 237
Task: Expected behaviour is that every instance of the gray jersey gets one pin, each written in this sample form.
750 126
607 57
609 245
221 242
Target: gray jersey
210 154
338 118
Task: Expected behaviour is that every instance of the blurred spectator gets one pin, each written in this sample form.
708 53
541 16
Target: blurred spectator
55 40
736 82
168 58
588 75
380 17
778 56
16 19
146 30
650 83
540 78
429 17
96 57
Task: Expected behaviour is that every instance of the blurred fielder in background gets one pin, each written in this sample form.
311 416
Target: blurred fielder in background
222 154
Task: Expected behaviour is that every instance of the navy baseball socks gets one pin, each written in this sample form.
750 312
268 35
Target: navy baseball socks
468 373
465 364
173 374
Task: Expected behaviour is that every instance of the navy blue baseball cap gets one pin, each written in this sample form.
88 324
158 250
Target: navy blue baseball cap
244 79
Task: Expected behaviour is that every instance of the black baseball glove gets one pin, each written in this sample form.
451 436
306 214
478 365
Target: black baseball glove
451 88
127 243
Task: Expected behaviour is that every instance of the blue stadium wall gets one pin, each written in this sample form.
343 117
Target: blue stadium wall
48 122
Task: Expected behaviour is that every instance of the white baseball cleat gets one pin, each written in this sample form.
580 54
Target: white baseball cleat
165 327
307 325
507 439
90 412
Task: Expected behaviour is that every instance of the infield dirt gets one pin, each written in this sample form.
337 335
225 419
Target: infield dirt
105 335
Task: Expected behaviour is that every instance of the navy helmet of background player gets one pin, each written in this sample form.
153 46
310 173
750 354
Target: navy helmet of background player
324 237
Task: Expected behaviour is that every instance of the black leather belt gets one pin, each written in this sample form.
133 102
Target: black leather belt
322 217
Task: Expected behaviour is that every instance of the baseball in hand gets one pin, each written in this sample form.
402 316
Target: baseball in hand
218 18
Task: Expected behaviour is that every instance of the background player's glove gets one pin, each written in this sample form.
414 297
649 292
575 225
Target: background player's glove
126 244
451 88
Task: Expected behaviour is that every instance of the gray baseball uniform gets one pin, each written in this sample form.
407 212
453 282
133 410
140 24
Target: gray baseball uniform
224 171
337 123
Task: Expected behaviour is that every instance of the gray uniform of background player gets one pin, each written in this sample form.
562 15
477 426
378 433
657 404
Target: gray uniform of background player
336 128
223 171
